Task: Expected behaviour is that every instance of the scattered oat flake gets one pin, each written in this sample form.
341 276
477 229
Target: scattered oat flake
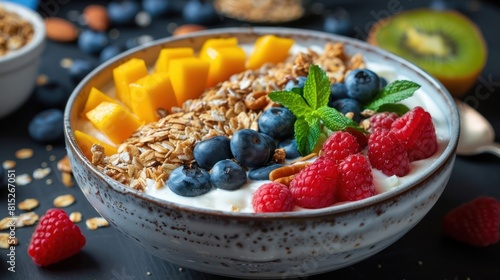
64 200
25 219
148 273
8 164
42 80
67 179
52 157
24 153
48 148
63 165
66 62
48 181
6 240
41 173
75 217
28 204
23 179
96 222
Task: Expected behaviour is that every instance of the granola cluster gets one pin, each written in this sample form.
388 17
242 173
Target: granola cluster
15 32
157 148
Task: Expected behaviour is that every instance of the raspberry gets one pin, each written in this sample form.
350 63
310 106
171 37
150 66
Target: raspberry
315 186
386 153
356 179
272 197
55 238
361 138
475 223
339 145
382 120
417 133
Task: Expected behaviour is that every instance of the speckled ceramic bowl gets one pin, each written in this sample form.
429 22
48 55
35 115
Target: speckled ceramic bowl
268 245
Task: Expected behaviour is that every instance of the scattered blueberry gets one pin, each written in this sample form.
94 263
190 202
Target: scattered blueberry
290 146
52 95
209 152
296 84
337 23
442 5
137 41
32 4
228 175
250 148
277 122
47 126
79 69
383 82
110 52
92 42
337 91
199 12
123 12
348 105
189 180
262 173
362 84
157 8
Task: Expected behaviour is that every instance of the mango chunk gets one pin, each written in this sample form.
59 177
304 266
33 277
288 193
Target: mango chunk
167 54
86 141
188 77
114 120
215 43
95 98
125 74
269 48
150 93
224 62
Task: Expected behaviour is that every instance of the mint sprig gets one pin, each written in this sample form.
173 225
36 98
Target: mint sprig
394 92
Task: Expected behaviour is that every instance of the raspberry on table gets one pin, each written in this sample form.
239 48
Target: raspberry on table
416 131
316 185
356 179
387 153
382 120
55 238
272 197
339 145
475 223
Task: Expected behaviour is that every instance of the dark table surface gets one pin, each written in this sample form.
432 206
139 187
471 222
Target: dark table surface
423 253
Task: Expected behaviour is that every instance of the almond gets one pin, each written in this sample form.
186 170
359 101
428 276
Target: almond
60 30
188 28
96 17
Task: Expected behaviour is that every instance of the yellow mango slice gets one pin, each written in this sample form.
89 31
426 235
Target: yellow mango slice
114 120
188 77
269 48
167 54
125 74
150 93
95 98
224 62
215 43
86 141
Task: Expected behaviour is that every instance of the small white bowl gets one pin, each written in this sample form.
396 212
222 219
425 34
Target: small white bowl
19 68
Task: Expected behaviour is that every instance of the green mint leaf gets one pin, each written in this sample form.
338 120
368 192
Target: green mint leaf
397 108
293 101
334 120
392 93
316 88
306 135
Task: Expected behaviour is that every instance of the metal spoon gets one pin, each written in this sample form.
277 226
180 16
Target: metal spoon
476 133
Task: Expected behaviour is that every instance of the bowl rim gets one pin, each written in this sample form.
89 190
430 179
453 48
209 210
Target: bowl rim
38 26
447 156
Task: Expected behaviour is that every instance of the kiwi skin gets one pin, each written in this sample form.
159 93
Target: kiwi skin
458 84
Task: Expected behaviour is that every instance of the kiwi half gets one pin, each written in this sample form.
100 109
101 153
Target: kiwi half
444 43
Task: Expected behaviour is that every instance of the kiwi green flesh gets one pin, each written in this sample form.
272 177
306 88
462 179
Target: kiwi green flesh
443 43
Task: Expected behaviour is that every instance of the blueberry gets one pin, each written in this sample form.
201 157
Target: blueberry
47 126
250 148
123 12
79 69
338 23
290 146
199 12
337 91
209 152
189 180
296 84
157 8
442 5
271 143
137 41
92 42
383 82
348 105
262 173
362 84
277 122
109 52
52 95
228 175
